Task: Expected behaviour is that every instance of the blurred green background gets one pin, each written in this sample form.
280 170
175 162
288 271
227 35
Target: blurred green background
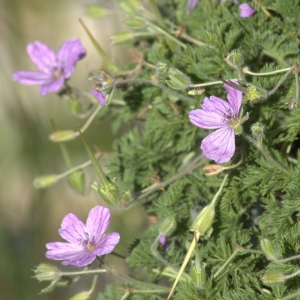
30 218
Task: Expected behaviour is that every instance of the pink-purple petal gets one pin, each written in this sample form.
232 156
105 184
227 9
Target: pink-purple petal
235 98
216 105
52 86
80 260
107 244
206 119
72 229
68 55
98 222
192 5
42 56
219 145
246 10
100 96
31 78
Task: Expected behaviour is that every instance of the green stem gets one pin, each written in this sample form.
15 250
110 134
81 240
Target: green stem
267 155
280 82
109 64
86 272
66 156
93 284
79 167
213 202
157 255
208 83
246 71
291 296
95 162
231 257
158 16
292 275
283 260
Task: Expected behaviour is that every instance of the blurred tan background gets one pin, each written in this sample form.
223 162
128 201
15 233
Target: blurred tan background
30 218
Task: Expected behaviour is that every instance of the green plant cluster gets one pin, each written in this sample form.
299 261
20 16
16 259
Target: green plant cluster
259 200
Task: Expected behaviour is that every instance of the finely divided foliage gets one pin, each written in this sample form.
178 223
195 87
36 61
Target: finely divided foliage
259 199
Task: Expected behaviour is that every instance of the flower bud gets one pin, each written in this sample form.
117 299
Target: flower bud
255 94
44 181
126 195
77 181
167 226
178 80
96 11
268 249
103 81
74 106
162 67
81 296
292 103
135 23
272 278
203 221
62 136
198 275
45 272
121 37
235 59
109 193
257 130
130 6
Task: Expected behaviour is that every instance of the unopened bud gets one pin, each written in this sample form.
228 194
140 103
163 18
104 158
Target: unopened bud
135 23
268 249
162 67
126 195
235 59
74 106
213 170
96 11
167 226
62 136
198 275
81 296
203 221
255 94
130 6
257 130
44 181
103 81
121 37
178 80
292 103
45 272
272 278
77 181
109 193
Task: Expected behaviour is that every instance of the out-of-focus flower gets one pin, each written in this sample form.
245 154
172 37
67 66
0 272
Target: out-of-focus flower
101 96
222 115
192 5
246 10
163 241
55 67
85 241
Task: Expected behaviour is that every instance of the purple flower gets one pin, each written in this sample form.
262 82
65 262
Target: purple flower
246 10
192 5
101 96
55 67
163 241
219 114
85 241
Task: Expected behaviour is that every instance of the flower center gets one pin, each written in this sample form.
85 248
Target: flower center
88 243
57 73
234 122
